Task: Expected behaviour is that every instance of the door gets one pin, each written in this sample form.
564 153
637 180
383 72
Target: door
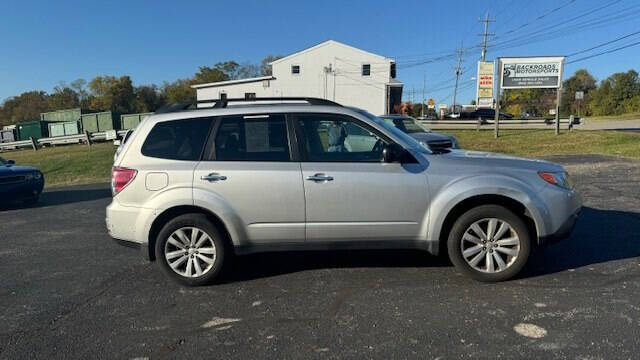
249 166
350 193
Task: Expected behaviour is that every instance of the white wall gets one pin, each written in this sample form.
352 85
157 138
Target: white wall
351 88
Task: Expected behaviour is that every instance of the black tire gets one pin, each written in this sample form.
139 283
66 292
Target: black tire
222 258
467 219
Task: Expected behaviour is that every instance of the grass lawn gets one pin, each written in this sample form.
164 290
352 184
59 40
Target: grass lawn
80 164
69 164
536 143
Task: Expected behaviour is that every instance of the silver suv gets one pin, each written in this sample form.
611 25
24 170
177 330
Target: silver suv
193 188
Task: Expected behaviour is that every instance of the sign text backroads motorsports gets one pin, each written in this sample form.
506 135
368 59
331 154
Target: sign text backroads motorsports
533 72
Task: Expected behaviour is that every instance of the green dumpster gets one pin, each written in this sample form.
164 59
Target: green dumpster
62 115
130 121
33 129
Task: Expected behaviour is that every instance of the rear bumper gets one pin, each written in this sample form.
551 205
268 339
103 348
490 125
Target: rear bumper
563 232
127 225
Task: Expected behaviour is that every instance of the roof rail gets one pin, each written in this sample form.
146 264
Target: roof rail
222 103
175 107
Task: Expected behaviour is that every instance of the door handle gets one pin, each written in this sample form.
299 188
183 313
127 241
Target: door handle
320 177
213 177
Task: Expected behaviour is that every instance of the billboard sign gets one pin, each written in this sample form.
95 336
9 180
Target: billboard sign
531 73
484 91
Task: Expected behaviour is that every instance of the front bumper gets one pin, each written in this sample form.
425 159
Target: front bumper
25 190
563 232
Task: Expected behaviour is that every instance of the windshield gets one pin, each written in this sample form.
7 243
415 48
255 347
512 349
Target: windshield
415 145
408 125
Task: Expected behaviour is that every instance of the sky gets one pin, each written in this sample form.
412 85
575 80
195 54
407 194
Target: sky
45 42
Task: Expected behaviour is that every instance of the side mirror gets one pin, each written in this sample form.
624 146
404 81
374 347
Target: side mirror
11 162
393 153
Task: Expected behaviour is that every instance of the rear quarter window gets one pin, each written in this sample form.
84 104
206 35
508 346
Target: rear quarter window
177 140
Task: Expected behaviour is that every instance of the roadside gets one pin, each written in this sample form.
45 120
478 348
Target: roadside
540 143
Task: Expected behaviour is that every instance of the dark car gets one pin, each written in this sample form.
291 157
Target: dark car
19 183
485 114
433 140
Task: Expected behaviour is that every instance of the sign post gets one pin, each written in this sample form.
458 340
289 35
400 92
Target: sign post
579 98
531 73
484 89
498 98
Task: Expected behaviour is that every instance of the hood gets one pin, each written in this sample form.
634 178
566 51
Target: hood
430 136
500 160
15 169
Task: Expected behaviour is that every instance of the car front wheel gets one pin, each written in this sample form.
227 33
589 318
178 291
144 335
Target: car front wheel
191 250
489 243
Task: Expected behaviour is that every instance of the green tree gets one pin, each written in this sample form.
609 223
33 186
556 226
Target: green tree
24 107
581 80
265 67
113 94
179 91
617 94
149 98
63 97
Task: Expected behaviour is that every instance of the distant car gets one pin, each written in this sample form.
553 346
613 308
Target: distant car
433 140
485 114
19 183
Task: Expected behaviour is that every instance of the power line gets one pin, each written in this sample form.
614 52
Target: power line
603 44
604 52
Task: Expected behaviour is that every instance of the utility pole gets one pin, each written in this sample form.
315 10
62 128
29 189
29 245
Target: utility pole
424 86
458 73
486 34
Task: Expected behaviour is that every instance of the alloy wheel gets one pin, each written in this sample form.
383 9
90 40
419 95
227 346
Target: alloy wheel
490 245
190 252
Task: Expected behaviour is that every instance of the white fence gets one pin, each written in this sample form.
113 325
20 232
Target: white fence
521 124
58 140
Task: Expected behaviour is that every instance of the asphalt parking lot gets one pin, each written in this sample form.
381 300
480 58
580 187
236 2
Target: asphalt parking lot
68 291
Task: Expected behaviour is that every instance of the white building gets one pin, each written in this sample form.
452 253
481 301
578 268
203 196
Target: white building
329 70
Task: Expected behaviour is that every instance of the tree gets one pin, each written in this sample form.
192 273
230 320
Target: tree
113 94
179 91
265 67
581 80
63 97
617 94
149 98
24 107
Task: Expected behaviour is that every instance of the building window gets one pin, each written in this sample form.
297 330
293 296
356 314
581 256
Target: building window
366 69
393 70
249 96
223 96
295 69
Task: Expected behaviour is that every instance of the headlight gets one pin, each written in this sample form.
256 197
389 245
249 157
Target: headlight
560 179
33 175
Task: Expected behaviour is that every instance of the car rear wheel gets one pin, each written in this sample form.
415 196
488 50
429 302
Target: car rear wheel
489 243
191 250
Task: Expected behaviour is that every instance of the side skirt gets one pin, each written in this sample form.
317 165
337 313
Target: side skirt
430 246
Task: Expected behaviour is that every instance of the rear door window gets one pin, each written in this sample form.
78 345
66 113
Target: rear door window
252 138
178 139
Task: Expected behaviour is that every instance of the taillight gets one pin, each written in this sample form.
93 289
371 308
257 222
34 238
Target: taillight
121 177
